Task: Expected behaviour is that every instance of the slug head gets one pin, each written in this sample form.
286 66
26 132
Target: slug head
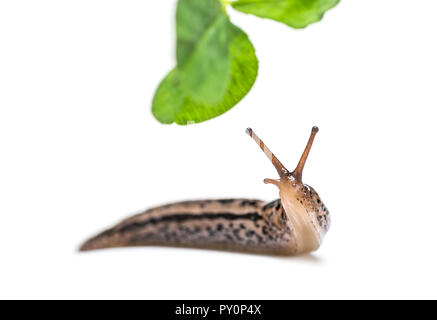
307 214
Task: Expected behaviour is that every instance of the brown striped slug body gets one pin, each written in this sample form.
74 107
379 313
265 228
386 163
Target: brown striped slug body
293 224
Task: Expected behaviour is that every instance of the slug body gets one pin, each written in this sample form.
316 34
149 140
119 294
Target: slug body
293 224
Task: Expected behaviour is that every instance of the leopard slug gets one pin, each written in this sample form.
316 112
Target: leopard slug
293 224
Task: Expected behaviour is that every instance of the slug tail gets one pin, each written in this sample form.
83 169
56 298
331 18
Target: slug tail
104 240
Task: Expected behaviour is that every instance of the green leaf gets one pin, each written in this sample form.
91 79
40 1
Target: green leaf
203 60
173 104
295 13
168 98
192 19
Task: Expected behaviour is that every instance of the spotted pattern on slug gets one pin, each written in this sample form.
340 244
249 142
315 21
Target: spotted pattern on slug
251 225
312 202
323 217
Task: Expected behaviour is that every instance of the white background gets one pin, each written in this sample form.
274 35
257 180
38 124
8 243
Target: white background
80 150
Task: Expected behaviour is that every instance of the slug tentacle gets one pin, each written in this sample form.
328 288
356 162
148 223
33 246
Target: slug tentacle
297 173
272 181
282 170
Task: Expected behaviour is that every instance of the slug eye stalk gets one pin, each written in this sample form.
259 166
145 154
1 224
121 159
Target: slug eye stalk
280 168
297 173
